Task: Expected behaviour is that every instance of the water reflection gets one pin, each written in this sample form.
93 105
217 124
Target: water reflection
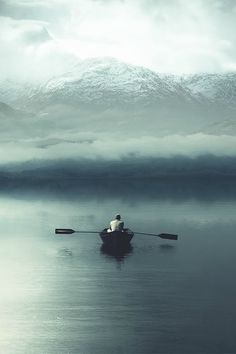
117 253
166 247
211 188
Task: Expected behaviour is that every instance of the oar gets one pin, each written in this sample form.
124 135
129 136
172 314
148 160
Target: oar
165 236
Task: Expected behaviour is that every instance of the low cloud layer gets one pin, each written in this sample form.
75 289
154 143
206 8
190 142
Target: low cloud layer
87 146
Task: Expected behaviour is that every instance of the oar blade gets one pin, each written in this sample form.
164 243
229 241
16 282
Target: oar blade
168 236
64 231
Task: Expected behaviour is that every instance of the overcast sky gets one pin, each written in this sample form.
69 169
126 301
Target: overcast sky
175 36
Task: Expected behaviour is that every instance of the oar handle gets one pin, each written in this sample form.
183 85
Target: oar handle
87 232
145 233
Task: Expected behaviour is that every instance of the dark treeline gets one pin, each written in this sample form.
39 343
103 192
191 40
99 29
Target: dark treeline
205 178
129 168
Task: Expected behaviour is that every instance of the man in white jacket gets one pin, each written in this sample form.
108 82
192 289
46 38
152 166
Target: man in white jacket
116 224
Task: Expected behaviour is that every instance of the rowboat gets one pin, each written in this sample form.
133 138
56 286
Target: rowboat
116 238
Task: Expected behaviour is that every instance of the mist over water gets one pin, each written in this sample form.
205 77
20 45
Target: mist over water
68 294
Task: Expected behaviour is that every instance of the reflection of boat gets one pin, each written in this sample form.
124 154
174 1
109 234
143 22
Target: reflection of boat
116 238
118 253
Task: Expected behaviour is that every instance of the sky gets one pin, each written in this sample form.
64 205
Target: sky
174 36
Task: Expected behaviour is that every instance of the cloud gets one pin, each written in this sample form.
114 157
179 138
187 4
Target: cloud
167 36
29 52
25 31
102 147
32 10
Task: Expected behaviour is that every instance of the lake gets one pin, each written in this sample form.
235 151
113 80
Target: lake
69 295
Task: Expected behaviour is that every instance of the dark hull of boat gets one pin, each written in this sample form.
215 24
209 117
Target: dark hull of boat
116 238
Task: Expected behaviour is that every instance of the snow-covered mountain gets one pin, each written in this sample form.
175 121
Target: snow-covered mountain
8 112
17 93
107 81
137 95
100 80
217 88
110 83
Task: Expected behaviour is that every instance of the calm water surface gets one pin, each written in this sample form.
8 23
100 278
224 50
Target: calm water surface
68 295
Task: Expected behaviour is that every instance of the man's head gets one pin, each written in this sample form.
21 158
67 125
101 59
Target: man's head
118 217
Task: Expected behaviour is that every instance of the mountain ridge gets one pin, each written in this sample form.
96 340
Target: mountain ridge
110 74
190 102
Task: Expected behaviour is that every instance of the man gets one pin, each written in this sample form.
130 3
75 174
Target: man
116 224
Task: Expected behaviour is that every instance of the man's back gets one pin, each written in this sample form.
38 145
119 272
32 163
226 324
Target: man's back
116 225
